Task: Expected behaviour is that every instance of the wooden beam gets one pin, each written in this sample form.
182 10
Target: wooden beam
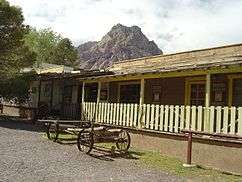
207 101
142 91
99 91
183 73
83 92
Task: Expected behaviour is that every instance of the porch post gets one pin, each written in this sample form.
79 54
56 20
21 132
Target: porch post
83 92
99 91
83 117
141 102
142 89
207 101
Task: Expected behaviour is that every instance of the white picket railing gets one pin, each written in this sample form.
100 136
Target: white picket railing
167 118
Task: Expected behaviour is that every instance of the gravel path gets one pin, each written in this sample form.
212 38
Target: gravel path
26 156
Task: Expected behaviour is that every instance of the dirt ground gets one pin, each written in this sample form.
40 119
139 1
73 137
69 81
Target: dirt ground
27 156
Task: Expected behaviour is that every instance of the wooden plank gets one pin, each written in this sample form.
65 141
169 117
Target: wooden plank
108 113
117 114
207 101
176 127
91 111
212 111
120 114
100 112
135 115
105 113
218 119
96 111
199 118
194 118
240 121
131 115
232 120
187 120
124 114
143 114
152 116
161 117
147 116
157 112
128 115
88 110
85 110
225 120
182 117
102 120
111 113
171 119
166 118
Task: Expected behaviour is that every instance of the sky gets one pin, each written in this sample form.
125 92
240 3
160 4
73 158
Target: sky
175 25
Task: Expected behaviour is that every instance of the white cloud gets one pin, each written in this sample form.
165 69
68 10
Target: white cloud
175 25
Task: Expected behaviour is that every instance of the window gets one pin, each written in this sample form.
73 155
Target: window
104 92
91 92
195 91
237 92
129 93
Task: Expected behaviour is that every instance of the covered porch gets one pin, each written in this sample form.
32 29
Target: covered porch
201 100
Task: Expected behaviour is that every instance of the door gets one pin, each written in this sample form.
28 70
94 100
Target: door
197 94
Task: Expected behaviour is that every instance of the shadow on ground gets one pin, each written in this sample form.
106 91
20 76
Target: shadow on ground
103 151
17 123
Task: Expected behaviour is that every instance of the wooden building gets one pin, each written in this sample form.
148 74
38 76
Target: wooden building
199 89
157 97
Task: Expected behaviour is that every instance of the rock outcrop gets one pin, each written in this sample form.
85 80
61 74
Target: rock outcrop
120 43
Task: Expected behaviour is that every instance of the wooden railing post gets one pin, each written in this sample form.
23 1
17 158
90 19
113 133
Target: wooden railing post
188 133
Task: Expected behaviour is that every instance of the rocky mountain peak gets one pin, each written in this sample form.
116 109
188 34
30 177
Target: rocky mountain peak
120 43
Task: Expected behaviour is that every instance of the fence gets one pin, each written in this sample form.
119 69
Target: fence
167 118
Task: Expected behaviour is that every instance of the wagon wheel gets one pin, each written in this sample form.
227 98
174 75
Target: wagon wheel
85 141
52 131
123 141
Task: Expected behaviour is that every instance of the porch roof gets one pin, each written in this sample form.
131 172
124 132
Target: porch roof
197 59
81 74
225 59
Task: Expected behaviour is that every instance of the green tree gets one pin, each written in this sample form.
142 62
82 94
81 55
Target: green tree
64 53
42 42
14 54
51 47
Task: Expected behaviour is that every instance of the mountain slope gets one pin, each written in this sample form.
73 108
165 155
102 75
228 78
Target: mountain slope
119 43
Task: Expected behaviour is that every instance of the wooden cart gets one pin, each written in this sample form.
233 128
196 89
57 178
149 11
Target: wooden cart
55 127
103 134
